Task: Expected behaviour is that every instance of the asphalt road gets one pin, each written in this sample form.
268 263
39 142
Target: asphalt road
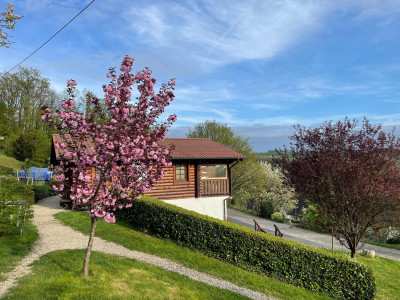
303 236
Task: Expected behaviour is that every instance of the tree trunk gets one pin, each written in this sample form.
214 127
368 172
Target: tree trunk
85 269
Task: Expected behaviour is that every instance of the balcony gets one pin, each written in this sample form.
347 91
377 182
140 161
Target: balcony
212 187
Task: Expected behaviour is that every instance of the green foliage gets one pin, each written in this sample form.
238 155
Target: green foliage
43 191
5 170
223 134
24 147
312 220
266 209
313 269
277 217
22 94
42 147
12 193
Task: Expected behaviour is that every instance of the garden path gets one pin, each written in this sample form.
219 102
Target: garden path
55 236
303 236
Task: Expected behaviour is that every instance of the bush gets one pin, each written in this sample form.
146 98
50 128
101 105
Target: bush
314 269
266 209
277 217
24 146
311 220
5 170
43 191
12 213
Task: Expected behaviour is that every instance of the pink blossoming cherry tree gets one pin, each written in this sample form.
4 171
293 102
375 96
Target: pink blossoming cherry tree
122 147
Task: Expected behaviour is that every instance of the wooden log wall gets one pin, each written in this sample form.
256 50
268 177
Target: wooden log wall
169 188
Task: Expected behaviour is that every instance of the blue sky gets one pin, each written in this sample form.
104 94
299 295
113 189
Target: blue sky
259 66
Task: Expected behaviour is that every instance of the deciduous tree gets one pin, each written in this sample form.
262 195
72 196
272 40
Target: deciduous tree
125 154
7 22
351 172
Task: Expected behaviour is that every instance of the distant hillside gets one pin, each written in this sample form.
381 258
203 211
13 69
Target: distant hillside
271 153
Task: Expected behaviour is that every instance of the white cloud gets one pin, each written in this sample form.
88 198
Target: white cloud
216 33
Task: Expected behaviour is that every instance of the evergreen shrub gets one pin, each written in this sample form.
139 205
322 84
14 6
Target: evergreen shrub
277 217
314 269
266 209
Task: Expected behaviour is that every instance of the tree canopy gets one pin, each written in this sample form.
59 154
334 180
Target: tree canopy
350 171
22 94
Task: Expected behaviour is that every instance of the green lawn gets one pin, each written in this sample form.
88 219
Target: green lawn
9 162
387 276
123 234
13 248
57 275
386 245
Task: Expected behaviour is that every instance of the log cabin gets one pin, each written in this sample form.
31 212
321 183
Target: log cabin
199 178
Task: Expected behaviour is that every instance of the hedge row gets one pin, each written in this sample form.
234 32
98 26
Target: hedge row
5 170
307 267
43 191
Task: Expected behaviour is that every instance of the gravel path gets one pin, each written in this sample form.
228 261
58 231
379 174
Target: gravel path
55 236
303 236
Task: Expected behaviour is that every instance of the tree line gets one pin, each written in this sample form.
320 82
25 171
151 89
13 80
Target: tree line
22 132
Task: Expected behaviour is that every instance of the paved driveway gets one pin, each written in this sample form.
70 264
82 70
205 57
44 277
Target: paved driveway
303 236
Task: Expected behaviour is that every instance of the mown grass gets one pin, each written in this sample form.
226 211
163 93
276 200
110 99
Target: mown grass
14 247
57 275
387 276
9 162
123 234
386 245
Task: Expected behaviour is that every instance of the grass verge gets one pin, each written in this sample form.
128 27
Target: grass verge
57 275
13 248
123 234
386 245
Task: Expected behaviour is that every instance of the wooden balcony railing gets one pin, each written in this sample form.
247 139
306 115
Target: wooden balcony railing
212 187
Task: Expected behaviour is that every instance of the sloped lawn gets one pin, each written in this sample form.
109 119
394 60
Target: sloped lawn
13 248
123 234
57 275
9 162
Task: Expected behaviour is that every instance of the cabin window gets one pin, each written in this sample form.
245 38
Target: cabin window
181 172
214 171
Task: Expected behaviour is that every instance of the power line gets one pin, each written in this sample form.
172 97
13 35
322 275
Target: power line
52 36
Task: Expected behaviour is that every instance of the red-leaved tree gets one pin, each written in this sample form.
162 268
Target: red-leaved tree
122 148
351 172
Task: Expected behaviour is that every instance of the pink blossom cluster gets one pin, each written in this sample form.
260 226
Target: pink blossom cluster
123 149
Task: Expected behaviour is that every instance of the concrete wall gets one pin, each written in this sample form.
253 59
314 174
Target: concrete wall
214 206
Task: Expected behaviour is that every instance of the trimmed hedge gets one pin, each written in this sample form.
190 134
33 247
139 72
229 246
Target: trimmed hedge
43 191
314 269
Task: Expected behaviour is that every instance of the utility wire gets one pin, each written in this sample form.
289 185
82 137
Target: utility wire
52 36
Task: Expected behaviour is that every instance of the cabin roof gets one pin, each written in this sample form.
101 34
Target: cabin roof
199 148
182 148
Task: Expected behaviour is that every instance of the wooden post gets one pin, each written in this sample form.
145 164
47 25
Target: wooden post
230 180
332 238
